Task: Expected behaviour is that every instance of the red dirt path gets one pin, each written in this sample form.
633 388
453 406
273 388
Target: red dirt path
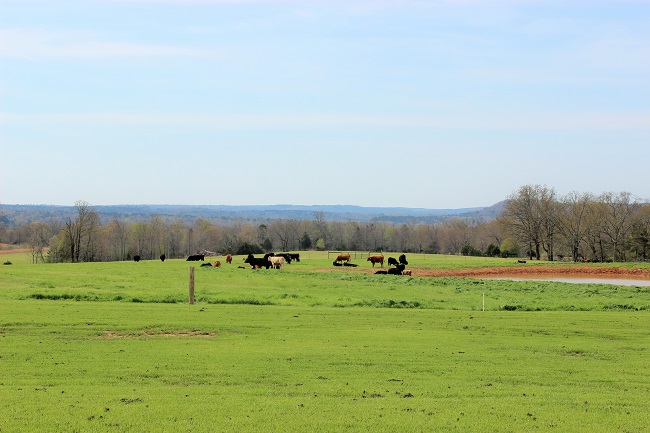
538 270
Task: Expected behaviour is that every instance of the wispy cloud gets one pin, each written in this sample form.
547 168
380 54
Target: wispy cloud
540 121
36 44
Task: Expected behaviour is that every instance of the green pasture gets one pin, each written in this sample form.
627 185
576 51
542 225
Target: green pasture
115 347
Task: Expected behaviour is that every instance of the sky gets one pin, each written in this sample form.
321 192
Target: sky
440 104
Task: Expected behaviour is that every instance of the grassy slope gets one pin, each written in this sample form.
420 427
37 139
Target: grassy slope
314 359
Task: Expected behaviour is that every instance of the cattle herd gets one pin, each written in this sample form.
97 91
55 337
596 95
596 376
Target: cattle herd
398 269
278 260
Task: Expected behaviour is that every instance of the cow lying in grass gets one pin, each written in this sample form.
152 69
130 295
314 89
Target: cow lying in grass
397 270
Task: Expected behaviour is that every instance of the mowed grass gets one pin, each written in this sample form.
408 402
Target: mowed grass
116 347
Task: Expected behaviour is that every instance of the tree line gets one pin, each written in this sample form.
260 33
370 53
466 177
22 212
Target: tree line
535 223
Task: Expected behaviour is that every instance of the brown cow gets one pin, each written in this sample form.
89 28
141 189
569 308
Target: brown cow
216 264
376 259
407 273
229 258
342 257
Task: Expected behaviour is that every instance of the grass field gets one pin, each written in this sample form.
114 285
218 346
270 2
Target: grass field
115 347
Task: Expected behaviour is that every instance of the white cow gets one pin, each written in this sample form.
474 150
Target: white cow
277 262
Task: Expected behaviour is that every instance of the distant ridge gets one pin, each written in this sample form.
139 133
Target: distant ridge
18 214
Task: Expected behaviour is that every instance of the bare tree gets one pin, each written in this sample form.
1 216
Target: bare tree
522 212
81 228
618 219
40 234
572 221
641 232
549 214
117 241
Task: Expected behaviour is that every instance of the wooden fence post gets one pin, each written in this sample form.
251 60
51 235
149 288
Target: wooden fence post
191 285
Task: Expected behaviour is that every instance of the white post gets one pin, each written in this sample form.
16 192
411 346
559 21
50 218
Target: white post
483 301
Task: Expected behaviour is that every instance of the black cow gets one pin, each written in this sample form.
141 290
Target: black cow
397 270
256 262
136 258
392 261
381 272
195 258
162 257
295 257
402 259
354 265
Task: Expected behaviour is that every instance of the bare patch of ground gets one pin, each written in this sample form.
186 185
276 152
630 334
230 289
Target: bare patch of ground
178 334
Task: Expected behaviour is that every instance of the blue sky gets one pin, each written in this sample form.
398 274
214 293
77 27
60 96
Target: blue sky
433 104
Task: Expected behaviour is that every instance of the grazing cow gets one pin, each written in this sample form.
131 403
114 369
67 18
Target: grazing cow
397 270
295 257
376 259
162 257
402 259
195 258
257 262
408 273
216 264
277 262
229 258
392 261
354 265
136 258
342 258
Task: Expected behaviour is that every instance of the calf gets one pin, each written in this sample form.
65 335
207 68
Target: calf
136 258
162 257
392 261
408 273
402 259
229 258
195 258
